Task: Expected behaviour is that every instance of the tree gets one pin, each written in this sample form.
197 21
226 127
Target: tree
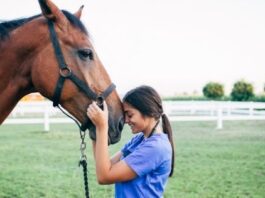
242 91
213 90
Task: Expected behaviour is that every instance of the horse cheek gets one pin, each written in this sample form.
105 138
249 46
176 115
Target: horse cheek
44 78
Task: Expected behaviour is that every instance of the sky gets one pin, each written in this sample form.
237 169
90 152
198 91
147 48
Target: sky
176 46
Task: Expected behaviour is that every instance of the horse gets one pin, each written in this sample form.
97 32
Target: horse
51 53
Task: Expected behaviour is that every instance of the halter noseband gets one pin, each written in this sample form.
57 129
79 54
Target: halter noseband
66 73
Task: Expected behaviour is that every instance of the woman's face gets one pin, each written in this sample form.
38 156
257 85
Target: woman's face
135 119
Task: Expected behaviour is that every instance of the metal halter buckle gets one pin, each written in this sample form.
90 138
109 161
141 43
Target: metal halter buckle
65 72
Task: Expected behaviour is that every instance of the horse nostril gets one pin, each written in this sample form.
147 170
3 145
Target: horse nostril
121 124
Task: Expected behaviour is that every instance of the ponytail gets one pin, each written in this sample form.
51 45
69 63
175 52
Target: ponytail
168 130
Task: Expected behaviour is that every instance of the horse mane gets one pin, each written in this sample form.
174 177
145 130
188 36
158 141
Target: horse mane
7 26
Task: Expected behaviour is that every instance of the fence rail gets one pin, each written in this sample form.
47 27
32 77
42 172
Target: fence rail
44 113
214 111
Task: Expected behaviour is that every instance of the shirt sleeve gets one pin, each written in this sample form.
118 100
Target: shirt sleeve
145 158
125 147
130 143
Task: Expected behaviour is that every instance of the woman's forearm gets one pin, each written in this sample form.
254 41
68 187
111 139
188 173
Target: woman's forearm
102 158
116 157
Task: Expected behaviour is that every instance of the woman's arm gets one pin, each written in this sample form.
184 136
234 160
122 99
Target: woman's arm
116 157
107 173
113 160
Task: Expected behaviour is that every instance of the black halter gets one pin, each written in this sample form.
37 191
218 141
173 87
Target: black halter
66 73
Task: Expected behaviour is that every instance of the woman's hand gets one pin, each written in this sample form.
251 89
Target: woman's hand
98 116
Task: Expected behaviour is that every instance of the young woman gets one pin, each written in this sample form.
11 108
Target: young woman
143 165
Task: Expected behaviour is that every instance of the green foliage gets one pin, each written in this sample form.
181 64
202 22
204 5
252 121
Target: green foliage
194 98
242 91
213 90
259 98
182 98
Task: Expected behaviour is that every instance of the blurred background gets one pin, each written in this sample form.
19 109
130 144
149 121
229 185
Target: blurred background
206 59
175 46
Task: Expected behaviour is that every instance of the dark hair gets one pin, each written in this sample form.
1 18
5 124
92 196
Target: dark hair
146 100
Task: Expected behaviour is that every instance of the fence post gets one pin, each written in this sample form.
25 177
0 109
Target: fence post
229 108
251 109
219 116
212 108
192 107
46 118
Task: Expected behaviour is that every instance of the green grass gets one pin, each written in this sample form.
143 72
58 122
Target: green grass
209 162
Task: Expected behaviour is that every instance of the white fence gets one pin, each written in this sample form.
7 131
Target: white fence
44 113
37 113
214 110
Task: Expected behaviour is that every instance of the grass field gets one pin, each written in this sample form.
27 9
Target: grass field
209 162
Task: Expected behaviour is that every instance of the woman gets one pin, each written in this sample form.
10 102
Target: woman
142 167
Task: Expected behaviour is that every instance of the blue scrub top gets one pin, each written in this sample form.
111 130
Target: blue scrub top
150 158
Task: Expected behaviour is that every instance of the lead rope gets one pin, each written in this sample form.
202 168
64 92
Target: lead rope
83 161
83 158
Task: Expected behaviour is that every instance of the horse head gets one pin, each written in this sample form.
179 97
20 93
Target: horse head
71 75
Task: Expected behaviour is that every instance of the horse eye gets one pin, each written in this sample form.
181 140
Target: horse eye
85 54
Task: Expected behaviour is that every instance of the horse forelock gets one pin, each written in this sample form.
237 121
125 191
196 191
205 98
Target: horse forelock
7 26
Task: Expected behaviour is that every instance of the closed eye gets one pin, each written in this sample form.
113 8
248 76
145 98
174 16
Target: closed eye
129 115
85 54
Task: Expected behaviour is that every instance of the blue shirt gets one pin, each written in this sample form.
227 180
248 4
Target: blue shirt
150 158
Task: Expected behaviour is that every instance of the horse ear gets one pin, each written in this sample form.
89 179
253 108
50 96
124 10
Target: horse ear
52 12
79 12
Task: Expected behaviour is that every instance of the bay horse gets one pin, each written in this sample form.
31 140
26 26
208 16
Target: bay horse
51 53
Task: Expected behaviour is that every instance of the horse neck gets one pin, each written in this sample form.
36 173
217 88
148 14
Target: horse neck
16 58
